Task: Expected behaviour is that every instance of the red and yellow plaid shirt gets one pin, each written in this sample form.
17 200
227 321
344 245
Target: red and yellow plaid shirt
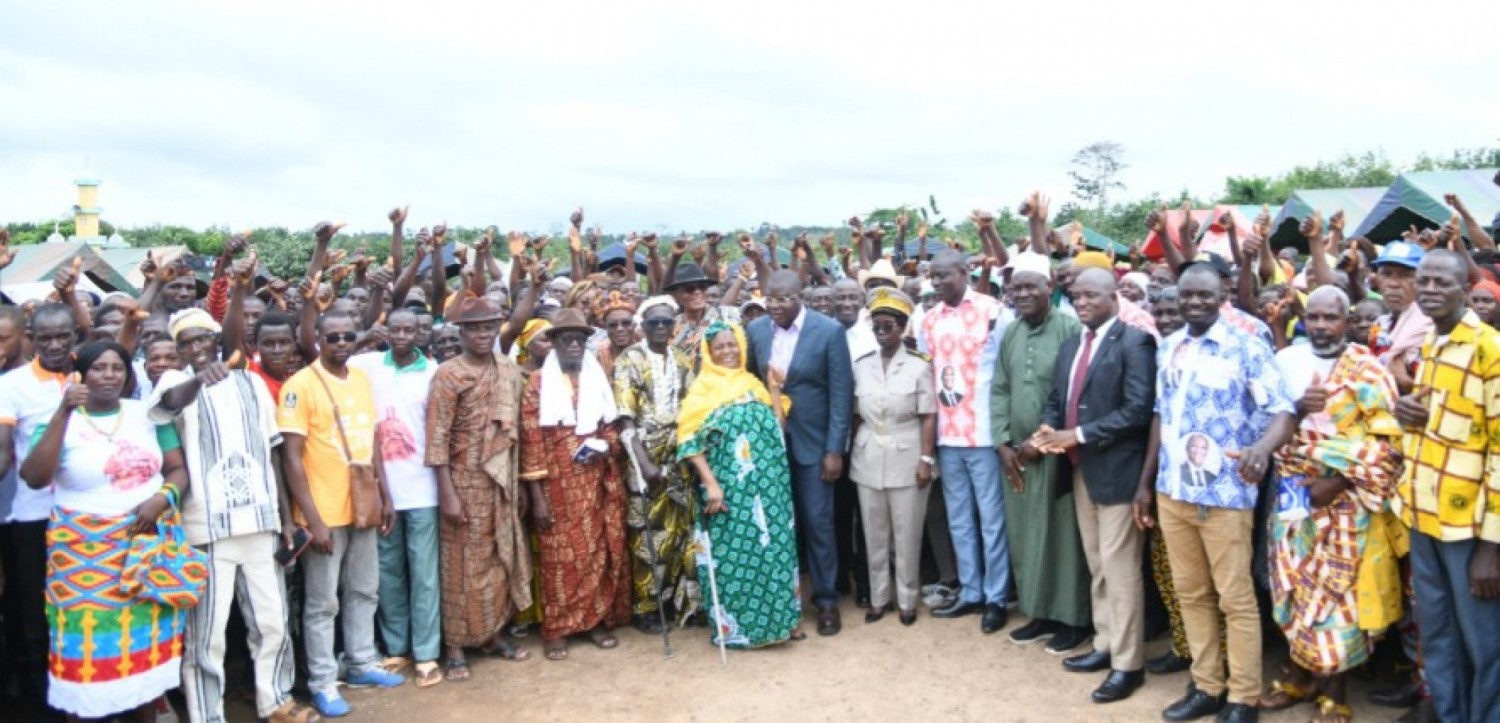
1450 489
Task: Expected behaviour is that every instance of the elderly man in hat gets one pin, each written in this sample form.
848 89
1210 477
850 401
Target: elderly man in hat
689 288
651 378
1046 553
233 508
473 425
570 461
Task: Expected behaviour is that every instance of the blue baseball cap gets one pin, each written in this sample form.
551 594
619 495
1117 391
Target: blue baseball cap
1400 253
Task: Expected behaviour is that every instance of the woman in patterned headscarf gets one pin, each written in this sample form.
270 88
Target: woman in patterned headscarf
730 430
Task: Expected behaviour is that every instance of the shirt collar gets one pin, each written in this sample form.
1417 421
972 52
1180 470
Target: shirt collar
43 375
419 365
796 323
1103 328
1466 331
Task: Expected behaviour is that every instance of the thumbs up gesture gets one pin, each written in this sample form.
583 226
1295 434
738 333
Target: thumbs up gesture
1411 410
1315 399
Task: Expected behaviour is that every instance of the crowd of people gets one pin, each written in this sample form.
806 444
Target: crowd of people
374 472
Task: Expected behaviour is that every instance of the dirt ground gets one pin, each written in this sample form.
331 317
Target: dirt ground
936 670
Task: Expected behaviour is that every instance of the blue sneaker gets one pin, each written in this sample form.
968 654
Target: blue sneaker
330 705
374 678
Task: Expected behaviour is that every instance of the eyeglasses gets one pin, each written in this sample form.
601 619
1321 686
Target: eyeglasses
345 337
886 327
695 290
658 323
614 325
569 340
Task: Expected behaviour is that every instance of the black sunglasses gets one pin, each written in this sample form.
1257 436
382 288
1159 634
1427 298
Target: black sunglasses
347 337
658 323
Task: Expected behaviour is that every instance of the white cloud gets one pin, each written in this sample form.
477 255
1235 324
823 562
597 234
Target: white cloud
695 115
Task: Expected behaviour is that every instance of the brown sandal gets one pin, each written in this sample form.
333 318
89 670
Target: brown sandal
1290 694
602 639
1332 711
555 649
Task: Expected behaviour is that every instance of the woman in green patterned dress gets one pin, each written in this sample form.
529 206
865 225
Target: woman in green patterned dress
729 429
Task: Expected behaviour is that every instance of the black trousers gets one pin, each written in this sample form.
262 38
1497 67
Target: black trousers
24 546
851 535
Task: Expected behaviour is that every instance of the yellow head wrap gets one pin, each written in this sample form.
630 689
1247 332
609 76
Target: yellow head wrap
1092 259
532 329
719 386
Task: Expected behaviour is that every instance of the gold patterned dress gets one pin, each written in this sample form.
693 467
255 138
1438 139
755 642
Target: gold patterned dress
648 390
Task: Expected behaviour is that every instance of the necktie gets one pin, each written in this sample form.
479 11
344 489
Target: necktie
1075 387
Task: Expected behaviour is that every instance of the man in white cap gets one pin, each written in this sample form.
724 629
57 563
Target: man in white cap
234 507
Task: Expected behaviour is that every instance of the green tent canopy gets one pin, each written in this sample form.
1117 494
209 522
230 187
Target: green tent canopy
38 263
1416 199
1354 202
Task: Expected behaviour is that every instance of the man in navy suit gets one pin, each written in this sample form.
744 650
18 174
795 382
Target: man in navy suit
814 354
1099 415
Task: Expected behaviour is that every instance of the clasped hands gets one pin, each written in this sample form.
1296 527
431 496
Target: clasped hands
1051 441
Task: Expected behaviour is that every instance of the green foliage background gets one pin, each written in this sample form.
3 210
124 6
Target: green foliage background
285 252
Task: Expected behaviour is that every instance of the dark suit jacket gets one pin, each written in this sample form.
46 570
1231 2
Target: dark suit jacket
1114 412
820 384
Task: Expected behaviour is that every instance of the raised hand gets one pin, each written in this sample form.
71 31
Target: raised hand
576 219
680 246
362 259
713 238
324 231
1189 228
1315 399
243 270
1312 226
6 255
1336 222
982 218
1226 222
517 242
855 223
699 252
335 257
397 216
902 221
746 243
648 240
380 278
828 242
66 279
539 244
485 242
440 233
1156 221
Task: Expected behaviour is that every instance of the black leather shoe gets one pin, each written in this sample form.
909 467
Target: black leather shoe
1033 631
1067 639
908 617
1091 662
958 609
828 621
1404 695
1197 704
1168 664
1119 685
1239 713
994 619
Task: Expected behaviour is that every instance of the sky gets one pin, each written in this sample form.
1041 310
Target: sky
695 115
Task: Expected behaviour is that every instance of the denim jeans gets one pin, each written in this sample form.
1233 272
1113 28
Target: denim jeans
410 616
1460 633
354 566
976 519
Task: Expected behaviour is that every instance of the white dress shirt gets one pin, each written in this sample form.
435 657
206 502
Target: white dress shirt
784 341
1099 335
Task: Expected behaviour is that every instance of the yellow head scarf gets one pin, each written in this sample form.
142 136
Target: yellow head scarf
719 386
529 332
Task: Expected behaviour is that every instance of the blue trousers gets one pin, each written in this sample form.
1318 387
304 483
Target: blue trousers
976 520
411 608
1460 633
815 523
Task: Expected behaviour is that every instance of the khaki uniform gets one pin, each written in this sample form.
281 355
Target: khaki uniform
883 463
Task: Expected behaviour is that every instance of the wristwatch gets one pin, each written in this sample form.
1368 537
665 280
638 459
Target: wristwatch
927 459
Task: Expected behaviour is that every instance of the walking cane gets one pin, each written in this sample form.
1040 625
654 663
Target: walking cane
656 571
713 588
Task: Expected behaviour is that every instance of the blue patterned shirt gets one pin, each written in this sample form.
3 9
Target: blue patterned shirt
1214 393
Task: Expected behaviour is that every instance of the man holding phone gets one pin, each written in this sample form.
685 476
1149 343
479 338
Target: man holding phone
232 509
